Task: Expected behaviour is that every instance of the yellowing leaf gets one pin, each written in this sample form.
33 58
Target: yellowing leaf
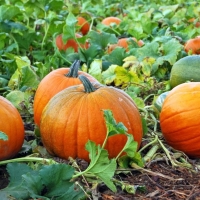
147 65
124 77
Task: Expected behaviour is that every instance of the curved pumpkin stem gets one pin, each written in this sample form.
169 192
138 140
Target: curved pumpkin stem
73 72
87 84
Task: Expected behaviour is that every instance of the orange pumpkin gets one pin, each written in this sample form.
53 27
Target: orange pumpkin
53 83
124 42
196 23
84 25
193 45
12 125
74 116
71 43
111 20
180 118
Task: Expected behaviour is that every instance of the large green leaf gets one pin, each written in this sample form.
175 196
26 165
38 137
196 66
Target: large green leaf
8 12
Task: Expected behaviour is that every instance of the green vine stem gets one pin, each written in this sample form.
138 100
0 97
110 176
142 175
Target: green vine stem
73 71
30 158
151 153
150 143
87 84
60 55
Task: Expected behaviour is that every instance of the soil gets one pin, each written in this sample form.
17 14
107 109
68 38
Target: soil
165 183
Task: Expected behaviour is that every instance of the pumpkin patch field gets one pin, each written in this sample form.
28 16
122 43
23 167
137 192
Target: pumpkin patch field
99 100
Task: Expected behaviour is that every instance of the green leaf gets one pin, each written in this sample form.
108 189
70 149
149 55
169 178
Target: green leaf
25 74
3 136
139 102
100 164
29 77
71 20
16 188
148 50
102 39
170 50
70 27
112 126
90 54
131 146
21 168
73 193
56 178
46 182
8 12
96 69
33 184
16 97
116 56
109 74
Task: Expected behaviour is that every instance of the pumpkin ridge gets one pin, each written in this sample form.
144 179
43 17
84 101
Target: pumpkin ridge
189 139
174 114
66 136
173 140
183 143
180 92
83 98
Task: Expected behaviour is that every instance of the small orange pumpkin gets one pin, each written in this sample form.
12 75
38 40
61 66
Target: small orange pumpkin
193 45
84 25
53 83
74 116
111 20
196 23
180 118
12 125
71 43
123 42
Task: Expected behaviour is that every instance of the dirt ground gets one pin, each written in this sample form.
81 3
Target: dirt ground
178 184
164 183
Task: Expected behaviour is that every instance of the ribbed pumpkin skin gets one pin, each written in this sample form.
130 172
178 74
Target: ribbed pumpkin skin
73 117
12 125
50 85
180 118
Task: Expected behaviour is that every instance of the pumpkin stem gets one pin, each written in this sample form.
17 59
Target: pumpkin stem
73 71
87 84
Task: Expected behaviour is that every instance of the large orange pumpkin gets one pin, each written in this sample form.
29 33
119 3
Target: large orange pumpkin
74 116
53 83
12 125
180 118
